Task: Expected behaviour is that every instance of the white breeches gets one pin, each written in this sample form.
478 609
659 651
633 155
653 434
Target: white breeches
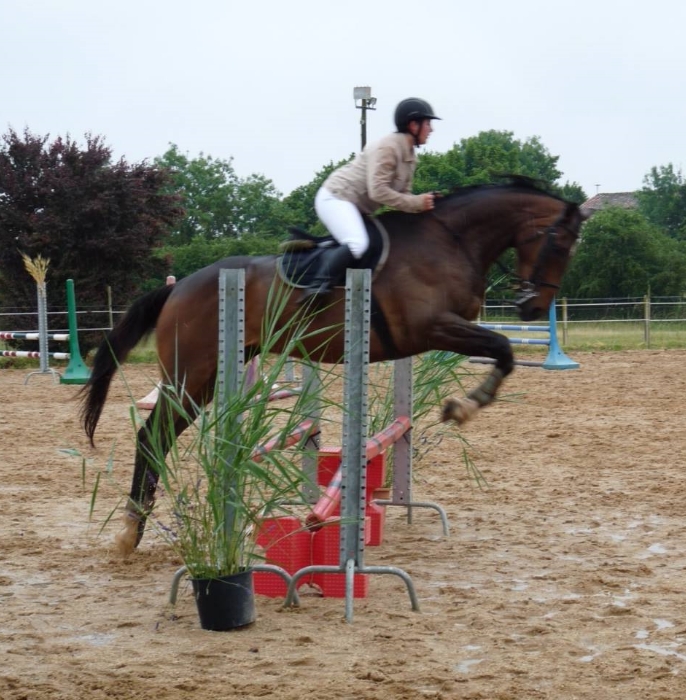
343 220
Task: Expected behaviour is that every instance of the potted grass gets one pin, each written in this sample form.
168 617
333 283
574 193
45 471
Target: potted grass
218 486
237 464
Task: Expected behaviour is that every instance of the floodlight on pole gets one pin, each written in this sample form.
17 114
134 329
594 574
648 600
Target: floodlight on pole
364 101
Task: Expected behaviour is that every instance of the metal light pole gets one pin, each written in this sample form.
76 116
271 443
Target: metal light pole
364 101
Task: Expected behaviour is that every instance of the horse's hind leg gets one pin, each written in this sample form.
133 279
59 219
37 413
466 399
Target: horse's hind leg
461 410
160 432
452 332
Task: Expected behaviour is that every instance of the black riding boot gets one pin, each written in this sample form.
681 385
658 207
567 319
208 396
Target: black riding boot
331 266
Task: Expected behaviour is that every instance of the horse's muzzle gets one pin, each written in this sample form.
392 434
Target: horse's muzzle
530 313
525 303
525 293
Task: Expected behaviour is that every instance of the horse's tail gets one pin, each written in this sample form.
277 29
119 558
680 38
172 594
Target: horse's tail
138 322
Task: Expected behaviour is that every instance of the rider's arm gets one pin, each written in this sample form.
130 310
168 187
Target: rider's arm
384 169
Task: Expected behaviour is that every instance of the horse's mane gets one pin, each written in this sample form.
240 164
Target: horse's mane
467 193
512 183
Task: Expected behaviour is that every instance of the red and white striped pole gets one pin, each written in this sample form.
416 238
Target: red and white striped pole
375 445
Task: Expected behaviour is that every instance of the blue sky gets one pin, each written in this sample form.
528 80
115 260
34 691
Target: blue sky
270 84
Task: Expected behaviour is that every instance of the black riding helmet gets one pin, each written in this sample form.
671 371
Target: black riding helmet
412 109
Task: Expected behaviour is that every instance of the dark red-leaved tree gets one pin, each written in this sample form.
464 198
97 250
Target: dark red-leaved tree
97 222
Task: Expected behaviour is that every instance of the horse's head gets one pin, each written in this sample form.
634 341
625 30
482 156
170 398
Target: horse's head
542 258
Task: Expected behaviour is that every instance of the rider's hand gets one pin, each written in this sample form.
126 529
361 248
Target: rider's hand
428 201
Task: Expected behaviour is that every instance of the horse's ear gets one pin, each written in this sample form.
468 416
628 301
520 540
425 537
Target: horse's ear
572 208
586 213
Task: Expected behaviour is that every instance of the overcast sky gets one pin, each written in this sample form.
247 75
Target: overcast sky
270 83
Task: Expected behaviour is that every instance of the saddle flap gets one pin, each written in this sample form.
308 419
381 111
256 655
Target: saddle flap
302 251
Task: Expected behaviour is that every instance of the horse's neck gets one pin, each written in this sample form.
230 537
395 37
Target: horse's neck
484 234
483 231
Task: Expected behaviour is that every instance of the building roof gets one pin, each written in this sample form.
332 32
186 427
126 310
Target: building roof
625 200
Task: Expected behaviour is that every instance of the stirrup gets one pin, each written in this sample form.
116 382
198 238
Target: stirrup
315 292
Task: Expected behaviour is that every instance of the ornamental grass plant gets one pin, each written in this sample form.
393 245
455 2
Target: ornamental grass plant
436 376
234 466
239 461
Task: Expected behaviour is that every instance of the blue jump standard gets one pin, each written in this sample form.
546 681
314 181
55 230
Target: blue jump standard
557 359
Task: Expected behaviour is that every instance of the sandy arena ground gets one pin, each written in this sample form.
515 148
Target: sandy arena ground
563 579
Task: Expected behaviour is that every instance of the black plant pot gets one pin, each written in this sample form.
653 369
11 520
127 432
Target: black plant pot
225 603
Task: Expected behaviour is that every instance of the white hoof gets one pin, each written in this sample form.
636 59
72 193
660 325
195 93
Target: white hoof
125 539
459 410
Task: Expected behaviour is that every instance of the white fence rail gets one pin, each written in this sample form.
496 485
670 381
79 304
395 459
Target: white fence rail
638 315
642 315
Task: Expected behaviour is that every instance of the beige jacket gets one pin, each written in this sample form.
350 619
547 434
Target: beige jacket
381 174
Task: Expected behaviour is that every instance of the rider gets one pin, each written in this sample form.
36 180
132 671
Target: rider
380 175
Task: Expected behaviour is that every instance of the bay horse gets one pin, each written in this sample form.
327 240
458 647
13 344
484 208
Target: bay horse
428 293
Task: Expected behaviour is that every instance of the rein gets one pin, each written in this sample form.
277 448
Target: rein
527 288
550 248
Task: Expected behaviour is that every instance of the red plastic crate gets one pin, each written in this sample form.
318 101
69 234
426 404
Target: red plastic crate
376 475
328 461
326 551
287 544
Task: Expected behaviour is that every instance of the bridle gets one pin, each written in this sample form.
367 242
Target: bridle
551 249
526 288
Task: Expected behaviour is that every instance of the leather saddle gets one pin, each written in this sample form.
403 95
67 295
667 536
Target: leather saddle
299 260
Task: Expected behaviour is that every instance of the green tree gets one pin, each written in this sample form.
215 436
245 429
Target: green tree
622 254
218 203
488 157
440 172
499 153
300 202
186 259
95 220
663 200
572 192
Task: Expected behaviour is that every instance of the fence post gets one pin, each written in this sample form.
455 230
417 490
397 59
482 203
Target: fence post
646 315
564 320
109 306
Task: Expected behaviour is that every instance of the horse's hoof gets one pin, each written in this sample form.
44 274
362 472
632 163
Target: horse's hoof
459 410
448 410
127 539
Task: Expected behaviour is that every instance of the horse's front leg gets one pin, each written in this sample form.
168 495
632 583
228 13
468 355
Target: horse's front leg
141 498
455 334
153 441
